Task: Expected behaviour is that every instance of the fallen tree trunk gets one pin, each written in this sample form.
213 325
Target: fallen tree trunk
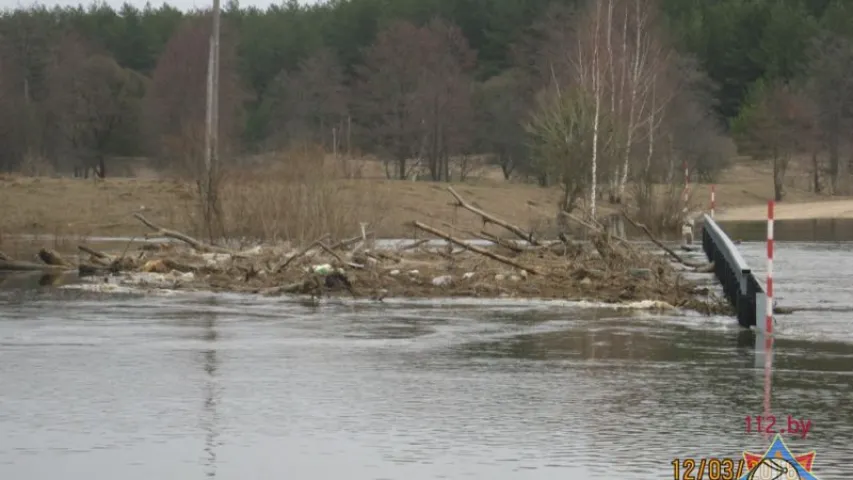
51 257
414 245
94 253
87 270
96 256
331 252
489 218
197 245
486 253
301 253
483 235
663 247
349 242
601 240
500 241
593 228
24 266
166 265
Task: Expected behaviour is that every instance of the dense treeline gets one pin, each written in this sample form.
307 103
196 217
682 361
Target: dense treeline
626 88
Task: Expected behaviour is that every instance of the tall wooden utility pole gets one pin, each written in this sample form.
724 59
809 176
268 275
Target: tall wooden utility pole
212 113
214 148
211 137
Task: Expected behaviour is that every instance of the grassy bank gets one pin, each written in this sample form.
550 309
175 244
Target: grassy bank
299 202
303 201
294 204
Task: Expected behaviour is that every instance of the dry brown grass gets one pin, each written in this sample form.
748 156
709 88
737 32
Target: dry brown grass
298 196
293 195
660 207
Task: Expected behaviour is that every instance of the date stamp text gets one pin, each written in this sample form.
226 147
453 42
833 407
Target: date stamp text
707 468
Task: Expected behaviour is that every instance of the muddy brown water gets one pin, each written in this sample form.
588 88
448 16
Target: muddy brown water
808 230
190 386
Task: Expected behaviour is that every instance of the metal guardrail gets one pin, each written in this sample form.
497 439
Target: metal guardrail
740 286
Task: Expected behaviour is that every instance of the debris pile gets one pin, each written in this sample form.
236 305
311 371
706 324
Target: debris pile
605 269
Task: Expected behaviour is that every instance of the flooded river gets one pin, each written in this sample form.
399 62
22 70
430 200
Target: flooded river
192 386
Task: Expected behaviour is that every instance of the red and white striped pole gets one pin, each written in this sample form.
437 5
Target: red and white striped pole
768 320
768 378
713 200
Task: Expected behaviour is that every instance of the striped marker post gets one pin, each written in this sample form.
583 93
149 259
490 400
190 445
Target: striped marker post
768 378
713 200
768 320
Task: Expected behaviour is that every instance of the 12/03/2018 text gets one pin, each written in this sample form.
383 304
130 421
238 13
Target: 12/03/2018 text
707 468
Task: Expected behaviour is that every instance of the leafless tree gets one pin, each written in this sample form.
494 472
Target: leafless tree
562 128
12 148
413 95
778 124
616 52
310 104
830 85
175 101
573 56
445 96
643 62
92 99
691 131
501 106
25 42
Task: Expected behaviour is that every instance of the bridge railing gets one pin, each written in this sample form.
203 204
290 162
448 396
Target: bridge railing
740 286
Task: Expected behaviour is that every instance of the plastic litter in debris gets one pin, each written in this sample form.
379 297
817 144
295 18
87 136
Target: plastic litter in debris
323 269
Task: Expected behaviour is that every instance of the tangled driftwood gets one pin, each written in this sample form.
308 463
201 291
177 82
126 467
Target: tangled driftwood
196 244
51 262
611 270
466 246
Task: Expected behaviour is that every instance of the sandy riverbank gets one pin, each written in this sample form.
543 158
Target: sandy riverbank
842 208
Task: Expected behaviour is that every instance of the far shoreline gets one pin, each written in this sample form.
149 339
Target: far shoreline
820 210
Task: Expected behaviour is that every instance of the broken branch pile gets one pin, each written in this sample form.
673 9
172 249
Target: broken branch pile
51 263
606 269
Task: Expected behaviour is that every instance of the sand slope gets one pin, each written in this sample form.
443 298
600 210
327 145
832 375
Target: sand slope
791 211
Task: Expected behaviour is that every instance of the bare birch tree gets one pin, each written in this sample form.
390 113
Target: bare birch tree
615 52
597 92
643 58
562 128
